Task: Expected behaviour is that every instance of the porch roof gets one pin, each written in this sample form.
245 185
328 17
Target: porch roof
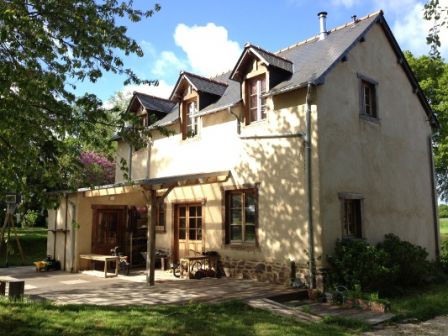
167 182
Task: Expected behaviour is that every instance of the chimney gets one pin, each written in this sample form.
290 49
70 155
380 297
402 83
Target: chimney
323 25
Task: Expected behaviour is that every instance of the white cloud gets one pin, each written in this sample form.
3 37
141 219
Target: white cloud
168 62
411 30
208 48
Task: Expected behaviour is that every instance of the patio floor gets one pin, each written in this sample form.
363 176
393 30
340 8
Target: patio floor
91 288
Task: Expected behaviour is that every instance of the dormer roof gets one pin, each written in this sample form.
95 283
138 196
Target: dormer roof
268 58
151 103
199 83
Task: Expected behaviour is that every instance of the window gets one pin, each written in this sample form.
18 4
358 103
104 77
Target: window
191 119
368 99
241 216
352 217
256 88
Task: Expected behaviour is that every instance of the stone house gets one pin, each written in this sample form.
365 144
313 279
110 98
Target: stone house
271 162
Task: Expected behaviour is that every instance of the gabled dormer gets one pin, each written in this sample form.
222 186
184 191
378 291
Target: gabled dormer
149 109
258 71
194 93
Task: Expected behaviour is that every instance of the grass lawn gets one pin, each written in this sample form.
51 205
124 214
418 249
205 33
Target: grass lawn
34 245
233 318
444 228
423 304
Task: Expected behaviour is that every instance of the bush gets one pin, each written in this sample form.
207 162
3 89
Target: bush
443 211
384 268
412 267
444 255
355 262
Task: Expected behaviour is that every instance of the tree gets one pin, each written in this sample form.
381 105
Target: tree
46 46
438 13
443 210
432 75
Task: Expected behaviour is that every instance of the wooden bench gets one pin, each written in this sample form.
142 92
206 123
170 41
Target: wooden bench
16 288
103 258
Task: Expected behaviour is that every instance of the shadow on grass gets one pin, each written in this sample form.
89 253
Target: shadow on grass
233 318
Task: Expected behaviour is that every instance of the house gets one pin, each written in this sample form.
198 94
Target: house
270 163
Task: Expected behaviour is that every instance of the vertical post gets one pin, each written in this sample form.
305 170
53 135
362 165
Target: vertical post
151 237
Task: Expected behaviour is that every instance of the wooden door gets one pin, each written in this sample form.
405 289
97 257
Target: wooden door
188 230
108 230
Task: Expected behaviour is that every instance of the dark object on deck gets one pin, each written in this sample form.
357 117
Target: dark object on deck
52 264
16 288
125 265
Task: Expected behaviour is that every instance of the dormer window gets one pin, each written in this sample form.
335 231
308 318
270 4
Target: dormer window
144 120
256 102
192 120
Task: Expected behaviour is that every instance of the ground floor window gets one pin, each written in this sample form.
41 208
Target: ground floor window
351 208
241 216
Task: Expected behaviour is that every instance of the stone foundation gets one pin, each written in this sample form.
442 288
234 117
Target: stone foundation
264 271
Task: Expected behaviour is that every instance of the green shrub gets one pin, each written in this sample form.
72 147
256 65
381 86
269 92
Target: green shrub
30 218
356 262
385 268
443 211
412 267
444 255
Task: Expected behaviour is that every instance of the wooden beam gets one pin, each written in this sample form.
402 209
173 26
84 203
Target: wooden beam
151 203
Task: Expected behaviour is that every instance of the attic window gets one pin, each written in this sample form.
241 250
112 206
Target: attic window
191 120
256 88
369 99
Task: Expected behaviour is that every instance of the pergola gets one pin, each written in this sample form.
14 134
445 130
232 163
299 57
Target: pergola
167 184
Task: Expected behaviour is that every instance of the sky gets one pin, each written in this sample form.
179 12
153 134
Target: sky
207 37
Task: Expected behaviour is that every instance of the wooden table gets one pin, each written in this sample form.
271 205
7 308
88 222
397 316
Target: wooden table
103 258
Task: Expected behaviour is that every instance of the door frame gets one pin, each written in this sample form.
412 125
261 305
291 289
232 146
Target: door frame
175 239
98 207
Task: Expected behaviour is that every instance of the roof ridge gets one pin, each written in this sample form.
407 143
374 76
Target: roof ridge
248 45
202 77
156 97
316 37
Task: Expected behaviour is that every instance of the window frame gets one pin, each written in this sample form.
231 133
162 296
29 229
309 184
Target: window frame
346 199
368 111
227 213
261 106
190 120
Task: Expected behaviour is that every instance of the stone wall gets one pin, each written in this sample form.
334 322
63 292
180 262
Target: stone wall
273 272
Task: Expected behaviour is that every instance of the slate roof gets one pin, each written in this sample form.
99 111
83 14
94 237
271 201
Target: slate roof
201 84
308 61
155 103
271 58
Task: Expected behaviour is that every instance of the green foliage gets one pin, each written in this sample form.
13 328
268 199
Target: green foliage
34 245
46 46
408 261
384 268
432 75
355 262
443 210
444 255
30 218
423 303
438 14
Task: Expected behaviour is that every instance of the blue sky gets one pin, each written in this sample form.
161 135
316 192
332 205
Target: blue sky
206 37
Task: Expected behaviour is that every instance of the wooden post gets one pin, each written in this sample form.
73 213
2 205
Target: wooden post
151 237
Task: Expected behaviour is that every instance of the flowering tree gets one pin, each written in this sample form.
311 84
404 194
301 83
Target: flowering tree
96 170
